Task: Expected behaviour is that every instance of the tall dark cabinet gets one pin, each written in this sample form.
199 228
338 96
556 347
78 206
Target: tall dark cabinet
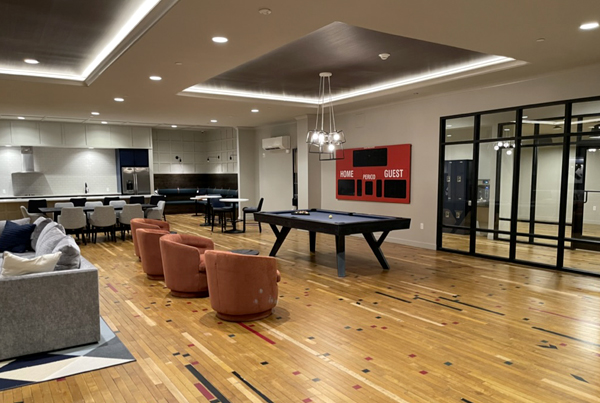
457 194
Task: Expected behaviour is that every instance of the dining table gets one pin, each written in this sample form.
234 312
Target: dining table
56 210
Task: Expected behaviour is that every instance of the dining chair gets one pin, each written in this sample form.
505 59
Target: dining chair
221 209
78 201
158 212
252 210
103 218
137 200
74 219
63 205
130 211
32 216
106 201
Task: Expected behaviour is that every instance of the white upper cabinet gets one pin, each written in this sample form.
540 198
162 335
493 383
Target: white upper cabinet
120 137
51 134
5 137
97 135
142 137
74 135
25 133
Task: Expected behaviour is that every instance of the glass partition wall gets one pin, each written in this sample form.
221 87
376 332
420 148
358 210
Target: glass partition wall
523 185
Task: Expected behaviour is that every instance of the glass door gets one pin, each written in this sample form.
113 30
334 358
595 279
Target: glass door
586 195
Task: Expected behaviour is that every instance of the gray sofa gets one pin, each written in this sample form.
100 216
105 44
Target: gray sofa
48 311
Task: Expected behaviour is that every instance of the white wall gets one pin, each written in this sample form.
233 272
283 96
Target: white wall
275 168
417 123
60 171
247 178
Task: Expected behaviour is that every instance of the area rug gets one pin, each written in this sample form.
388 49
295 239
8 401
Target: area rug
22 371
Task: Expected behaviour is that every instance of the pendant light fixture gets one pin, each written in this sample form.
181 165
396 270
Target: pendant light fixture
327 143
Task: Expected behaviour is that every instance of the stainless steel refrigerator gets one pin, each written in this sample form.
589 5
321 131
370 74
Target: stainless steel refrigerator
135 181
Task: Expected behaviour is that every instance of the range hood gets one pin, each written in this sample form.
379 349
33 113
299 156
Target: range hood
27 160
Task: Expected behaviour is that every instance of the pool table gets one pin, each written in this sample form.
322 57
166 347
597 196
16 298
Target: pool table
340 224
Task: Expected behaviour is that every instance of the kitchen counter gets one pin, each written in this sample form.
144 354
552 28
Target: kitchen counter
54 198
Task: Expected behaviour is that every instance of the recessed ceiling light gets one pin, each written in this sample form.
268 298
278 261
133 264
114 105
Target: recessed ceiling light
213 121
95 113
31 61
220 39
448 126
506 129
265 11
254 111
525 116
173 126
448 135
8 145
540 39
589 25
21 118
104 122
155 78
178 64
91 148
119 99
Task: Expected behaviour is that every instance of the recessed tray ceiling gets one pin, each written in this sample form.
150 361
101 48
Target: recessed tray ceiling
351 54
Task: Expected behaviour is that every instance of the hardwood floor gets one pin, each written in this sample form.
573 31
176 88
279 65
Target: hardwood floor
437 327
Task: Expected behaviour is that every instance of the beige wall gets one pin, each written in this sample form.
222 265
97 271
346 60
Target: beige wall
417 123
248 174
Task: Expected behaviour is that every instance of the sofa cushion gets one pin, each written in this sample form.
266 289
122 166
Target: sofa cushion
48 240
70 254
20 221
15 237
43 237
13 265
40 224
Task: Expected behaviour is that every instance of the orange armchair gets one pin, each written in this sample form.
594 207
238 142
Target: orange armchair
241 287
148 241
183 264
145 223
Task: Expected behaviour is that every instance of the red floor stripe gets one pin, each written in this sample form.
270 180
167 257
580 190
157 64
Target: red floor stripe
111 287
204 391
257 333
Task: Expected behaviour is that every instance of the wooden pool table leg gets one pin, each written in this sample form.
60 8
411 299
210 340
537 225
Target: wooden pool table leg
280 238
340 249
375 247
313 240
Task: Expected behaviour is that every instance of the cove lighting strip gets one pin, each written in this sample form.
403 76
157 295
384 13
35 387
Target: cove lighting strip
133 21
199 89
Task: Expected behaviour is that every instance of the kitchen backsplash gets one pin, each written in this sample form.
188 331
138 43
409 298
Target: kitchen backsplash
58 171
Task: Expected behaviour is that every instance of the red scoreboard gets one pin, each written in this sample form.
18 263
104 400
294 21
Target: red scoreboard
380 174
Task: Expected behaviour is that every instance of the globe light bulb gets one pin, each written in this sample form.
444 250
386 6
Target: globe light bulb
336 137
499 144
331 147
508 152
505 145
496 148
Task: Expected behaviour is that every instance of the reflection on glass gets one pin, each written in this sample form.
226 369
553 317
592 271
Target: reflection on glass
586 117
536 253
497 125
456 241
547 120
485 244
582 259
460 129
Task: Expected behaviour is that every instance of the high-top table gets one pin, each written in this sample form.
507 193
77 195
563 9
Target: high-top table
208 198
236 201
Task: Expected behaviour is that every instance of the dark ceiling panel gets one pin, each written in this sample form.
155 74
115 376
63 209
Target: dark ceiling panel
61 34
349 52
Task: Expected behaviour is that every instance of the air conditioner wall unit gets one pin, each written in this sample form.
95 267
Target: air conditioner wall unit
276 143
